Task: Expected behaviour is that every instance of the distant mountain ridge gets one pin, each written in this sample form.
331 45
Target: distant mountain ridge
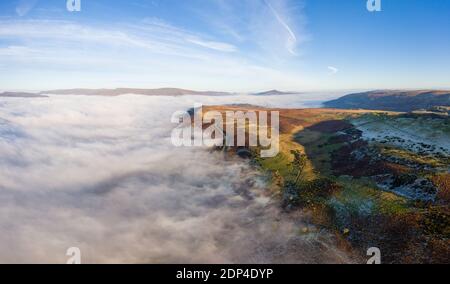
123 91
21 95
116 92
393 100
273 93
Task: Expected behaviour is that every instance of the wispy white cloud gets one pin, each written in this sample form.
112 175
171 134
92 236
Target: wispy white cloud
153 37
25 6
272 29
244 42
291 40
149 54
219 46
333 70
17 51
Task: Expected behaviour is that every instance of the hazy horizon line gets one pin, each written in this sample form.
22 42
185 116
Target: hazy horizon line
230 92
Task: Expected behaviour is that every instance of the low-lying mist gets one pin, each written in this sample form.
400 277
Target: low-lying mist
101 174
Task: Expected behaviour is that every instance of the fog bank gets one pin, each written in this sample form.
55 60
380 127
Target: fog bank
101 174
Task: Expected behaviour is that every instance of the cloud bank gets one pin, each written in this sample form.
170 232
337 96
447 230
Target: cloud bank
100 174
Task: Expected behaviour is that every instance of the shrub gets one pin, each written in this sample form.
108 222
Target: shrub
404 179
442 182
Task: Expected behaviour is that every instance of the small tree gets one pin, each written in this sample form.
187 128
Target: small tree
278 179
298 164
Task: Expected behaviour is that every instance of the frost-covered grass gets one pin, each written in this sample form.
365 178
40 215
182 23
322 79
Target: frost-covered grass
417 133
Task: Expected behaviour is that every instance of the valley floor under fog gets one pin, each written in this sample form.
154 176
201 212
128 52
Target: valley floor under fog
100 173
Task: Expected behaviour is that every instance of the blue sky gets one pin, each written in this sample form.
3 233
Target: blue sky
229 45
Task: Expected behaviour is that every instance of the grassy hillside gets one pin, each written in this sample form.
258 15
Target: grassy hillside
375 178
403 101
